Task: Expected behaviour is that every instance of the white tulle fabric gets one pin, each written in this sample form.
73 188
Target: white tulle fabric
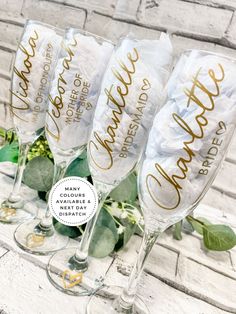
47 46
151 73
87 67
166 139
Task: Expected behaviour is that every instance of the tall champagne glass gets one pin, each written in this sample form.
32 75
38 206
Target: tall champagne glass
32 72
6 124
72 100
131 93
186 146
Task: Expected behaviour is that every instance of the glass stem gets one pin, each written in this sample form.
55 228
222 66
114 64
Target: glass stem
126 299
81 253
59 172
23 151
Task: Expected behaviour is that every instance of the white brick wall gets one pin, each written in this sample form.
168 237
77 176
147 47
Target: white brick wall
182 277
53 13
189 19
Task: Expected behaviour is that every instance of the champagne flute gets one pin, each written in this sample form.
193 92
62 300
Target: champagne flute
6 123
72 100
131 92
32 71
186 146
7 133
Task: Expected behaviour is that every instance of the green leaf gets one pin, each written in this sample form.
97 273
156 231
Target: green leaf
78 167
38 173
198 223
219 237
105 235
177 231
9 152
83 155
102 243
105 219
126 190
72 232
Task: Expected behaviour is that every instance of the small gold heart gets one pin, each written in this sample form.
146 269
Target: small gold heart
34 240
8 212
146 84
222 128
73 279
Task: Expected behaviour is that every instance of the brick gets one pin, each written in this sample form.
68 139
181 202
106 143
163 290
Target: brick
233 258
231 156
5 117
4 90
22 281
53 13
182 43
217 215
231 32
162 261
220 290
11 7
225 50
6 59
2 251
105 6
161 297
226 4
188 18
112 29
221 201
164 299
192 246
225 181
10 34
127 10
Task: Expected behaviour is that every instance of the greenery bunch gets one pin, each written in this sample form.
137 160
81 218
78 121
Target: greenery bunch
120 216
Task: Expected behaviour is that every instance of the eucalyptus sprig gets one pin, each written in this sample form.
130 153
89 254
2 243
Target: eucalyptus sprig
216 237
120 216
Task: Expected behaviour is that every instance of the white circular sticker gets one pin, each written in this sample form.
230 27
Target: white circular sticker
73 201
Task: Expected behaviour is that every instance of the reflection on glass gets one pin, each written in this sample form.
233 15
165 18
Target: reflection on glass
131 92
72 101
32 73
186 146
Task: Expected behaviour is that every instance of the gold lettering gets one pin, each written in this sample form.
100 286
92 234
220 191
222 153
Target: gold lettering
57 101
174 181
122 91
22 93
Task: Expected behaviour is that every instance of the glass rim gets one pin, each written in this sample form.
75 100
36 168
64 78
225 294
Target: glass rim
85 32
59 31
31 21
209 53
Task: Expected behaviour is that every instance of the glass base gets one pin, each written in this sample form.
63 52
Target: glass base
34 242
64 274
98 305
16 212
